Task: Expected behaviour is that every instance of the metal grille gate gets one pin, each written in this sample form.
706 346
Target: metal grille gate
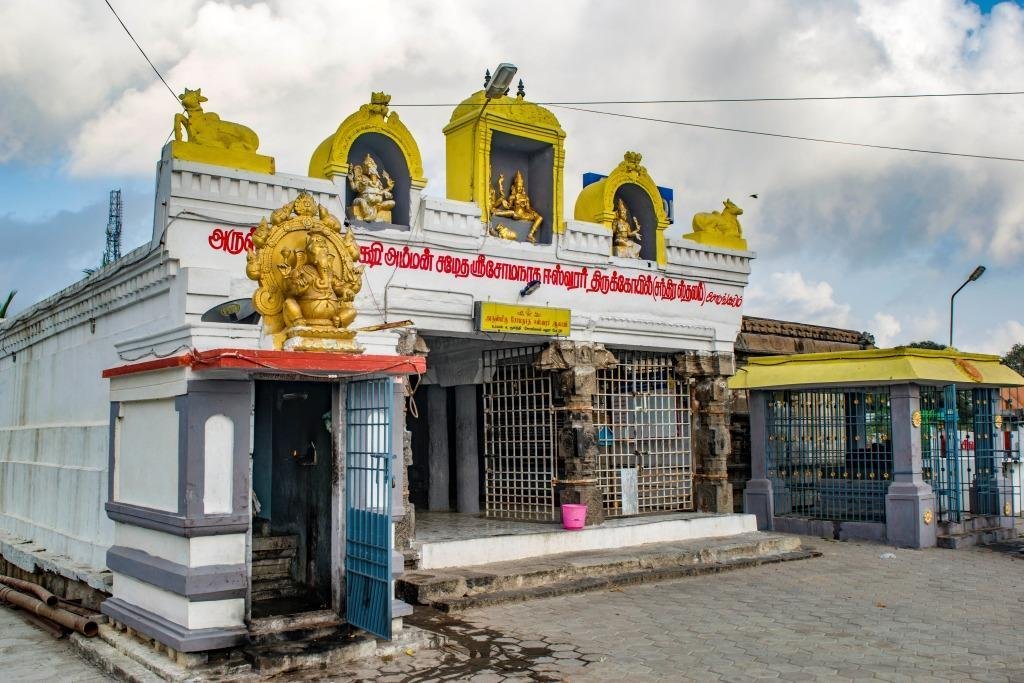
828 452
519 437
368 410
642 417
961 457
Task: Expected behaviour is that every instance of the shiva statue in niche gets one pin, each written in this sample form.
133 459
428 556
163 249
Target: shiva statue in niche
625 236
374 198
515 205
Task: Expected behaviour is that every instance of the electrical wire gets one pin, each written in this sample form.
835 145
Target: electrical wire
713 100
153 66
846 143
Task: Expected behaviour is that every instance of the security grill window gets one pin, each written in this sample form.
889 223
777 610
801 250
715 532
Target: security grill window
642 419
829 453
519 437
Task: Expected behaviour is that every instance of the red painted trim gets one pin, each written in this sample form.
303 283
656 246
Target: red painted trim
149 366
281 361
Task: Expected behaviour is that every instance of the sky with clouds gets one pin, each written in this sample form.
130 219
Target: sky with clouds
867 239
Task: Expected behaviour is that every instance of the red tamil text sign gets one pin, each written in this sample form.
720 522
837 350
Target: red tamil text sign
231 241
591 281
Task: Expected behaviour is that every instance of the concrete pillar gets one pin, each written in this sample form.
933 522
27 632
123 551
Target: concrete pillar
910 516
437 420
467 467
576 365
757 496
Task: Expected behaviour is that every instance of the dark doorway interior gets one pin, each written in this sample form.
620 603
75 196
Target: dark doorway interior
292 473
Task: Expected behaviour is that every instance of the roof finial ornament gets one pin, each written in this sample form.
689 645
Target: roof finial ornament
521 90
487 77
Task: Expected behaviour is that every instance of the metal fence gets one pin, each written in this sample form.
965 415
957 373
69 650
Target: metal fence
642 418
829 452
970 455
519 436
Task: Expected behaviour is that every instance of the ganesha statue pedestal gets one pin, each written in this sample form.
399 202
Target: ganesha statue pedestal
315 338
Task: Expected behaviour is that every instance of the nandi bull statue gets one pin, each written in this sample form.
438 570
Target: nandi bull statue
213 141
719 228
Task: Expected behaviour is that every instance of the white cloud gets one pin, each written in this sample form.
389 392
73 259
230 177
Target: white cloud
79 91
886 329
998 339
788 296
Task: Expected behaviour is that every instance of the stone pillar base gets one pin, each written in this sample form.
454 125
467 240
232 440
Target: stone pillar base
712 495
910 516
589 495
758 501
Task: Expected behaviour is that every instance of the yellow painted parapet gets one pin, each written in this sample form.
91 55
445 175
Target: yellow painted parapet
719 228
469 135
213 141
596 202
331 156
901 365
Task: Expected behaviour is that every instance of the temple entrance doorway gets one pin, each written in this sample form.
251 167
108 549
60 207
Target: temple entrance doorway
293 469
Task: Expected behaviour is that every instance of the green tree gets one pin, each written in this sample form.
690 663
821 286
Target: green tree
7 303
1014 358
926 344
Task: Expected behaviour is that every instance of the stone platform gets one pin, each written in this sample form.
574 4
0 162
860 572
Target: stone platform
458 540
481 585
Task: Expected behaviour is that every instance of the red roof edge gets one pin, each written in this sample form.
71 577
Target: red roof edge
280 361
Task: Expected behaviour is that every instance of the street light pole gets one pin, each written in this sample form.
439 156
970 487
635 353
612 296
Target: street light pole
970 278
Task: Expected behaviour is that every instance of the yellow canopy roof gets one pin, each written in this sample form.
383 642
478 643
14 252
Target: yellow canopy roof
901 365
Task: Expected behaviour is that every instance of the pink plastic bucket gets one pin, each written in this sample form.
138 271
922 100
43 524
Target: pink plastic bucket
573 516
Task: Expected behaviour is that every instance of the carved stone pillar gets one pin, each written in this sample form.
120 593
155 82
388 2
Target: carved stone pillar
711 441
575 365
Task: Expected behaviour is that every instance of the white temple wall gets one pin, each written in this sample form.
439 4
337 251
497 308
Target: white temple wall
54 421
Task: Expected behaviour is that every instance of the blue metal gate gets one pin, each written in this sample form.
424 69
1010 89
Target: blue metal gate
952 486
368 410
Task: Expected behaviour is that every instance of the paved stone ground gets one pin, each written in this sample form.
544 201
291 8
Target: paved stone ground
930 615
29 654
934 615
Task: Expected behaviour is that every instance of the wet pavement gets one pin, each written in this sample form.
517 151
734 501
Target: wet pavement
861 611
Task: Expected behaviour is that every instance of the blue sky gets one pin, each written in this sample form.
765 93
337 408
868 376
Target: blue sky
856 238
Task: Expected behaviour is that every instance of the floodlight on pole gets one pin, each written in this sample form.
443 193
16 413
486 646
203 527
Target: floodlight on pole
501 81
970 278
497 85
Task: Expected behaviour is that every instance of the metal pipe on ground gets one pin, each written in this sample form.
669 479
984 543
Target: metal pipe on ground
53 629
28 587
83 625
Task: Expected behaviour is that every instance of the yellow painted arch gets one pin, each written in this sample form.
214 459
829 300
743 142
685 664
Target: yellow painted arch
331 156
596 202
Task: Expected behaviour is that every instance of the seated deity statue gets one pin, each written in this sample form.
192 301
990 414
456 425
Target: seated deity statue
374 198
517 205
625 236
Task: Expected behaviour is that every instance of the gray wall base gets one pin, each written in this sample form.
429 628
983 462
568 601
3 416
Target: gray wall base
842 531
757 501
213 582
169 633
905 507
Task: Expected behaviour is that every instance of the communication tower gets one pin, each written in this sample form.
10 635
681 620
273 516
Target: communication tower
113 249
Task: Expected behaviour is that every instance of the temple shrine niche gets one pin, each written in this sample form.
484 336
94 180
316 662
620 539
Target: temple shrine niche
507 155
628 203
376 164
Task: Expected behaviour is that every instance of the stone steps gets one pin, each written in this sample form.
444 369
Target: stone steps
272 561
305 625
483 585
981 536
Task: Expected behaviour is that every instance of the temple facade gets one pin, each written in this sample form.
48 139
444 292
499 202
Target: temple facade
242 416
